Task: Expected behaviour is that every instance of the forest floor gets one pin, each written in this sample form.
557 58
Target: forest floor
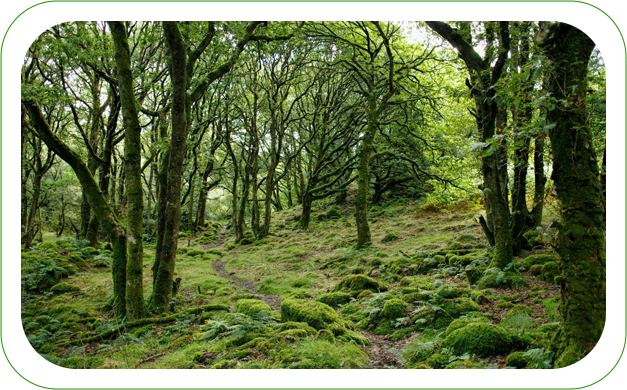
306 298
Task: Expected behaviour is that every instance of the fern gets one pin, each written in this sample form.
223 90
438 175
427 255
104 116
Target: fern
539 358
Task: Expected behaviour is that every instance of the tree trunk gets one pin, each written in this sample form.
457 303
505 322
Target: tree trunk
132 157
539 181
162 293
97 201
581 236
363 180
34 207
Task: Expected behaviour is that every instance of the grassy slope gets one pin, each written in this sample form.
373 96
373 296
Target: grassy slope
289 263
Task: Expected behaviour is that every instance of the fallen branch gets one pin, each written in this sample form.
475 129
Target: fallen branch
149 358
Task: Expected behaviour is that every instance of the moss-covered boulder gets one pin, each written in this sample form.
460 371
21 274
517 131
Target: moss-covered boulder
393 309
483 340
535 270
497 278
253 307
335 299
333 213
64 287
417 282
464 321
538 259
517 360
357 283
323 354
317 314
324 334
549 271
441 315
390 237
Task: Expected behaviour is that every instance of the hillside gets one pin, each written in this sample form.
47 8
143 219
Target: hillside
306 299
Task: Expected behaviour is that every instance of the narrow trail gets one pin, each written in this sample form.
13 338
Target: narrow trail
382 352
218 265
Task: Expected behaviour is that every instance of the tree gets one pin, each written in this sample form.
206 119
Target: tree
581 236
482 78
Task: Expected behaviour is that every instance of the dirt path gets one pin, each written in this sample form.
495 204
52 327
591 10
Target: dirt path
272 300
384 353
219 240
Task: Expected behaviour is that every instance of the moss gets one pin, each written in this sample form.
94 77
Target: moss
64 287
324 334
535 270
461 261
297 325
322 354
421 282
393 309
483 340
401 334
496 278
463 365
504 305
517 360
195 252
437 360
390 237
316 314
358 283
82 362
550 271
384 327
539 259
335 299
363 294
462 322
334 213
253 307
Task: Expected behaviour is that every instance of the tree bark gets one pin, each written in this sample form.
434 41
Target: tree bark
97 200
162 292
581 236
132 162
539 181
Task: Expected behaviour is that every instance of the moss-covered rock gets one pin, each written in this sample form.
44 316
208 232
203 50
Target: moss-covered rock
317 314
539 259
358 283
390 237
335 299
441 315
322 354
497 278
253 307
483 340
393 309
535 270
462 322
195 252
517 360
437 360
64 287
549 271
418 282
324 334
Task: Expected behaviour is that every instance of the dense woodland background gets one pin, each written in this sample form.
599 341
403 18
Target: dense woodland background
313 194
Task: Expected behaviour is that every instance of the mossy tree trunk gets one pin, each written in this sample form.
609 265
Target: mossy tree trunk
581 236
539 180
162 292
483 76
363 178
97 200
132 157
